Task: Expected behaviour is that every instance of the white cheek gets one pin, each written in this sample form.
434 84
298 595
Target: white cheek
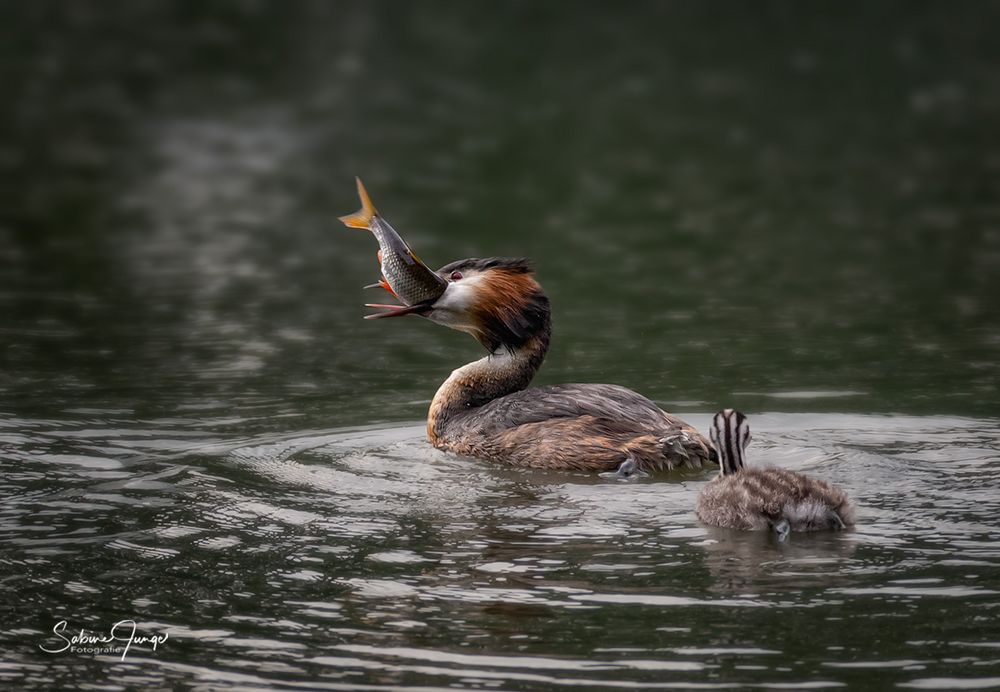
457 297
453 308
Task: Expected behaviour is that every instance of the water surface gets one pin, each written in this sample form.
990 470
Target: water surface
332 558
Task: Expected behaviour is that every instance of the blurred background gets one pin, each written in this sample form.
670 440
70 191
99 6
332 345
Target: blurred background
760 205
792 208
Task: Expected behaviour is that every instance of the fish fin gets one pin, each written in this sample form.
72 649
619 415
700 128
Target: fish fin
382 283
363 217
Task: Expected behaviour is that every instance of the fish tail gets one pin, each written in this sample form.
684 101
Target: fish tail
363 217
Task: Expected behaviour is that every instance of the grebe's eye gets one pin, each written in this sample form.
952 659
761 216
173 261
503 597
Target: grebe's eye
455 276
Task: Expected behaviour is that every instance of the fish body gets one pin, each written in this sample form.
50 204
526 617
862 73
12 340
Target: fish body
403 274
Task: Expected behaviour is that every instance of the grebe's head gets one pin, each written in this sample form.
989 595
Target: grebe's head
730 435
496 300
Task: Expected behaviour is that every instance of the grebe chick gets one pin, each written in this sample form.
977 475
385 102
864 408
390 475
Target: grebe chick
484 409
754 499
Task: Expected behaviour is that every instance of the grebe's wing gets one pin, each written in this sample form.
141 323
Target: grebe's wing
609 402
579 426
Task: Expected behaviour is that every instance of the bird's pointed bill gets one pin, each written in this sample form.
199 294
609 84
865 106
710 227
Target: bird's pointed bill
396 310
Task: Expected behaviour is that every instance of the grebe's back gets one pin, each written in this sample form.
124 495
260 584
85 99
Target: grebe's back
591 427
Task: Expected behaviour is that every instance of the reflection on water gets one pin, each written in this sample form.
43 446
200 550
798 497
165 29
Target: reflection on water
363 554
769 207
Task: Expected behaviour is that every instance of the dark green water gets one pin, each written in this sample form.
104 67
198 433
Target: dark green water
790 209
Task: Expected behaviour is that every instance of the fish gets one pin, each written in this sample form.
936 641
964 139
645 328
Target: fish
411 281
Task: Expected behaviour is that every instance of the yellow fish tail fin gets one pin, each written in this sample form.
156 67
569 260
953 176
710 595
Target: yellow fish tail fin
363 217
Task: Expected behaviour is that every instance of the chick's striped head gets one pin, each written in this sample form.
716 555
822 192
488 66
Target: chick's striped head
730 435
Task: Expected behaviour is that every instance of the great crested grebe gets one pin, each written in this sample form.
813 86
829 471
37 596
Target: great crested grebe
761 498
484 409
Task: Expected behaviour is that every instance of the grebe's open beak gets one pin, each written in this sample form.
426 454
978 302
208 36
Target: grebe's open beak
397 310
451 308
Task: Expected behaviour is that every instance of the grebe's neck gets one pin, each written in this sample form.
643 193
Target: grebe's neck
479 382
